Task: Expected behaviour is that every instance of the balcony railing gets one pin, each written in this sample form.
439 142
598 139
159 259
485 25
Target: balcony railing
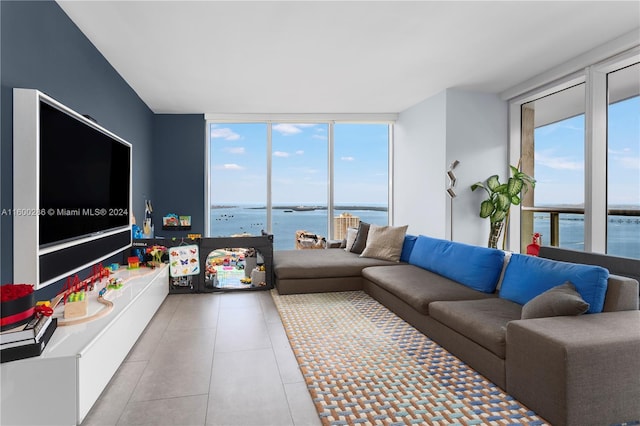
555 212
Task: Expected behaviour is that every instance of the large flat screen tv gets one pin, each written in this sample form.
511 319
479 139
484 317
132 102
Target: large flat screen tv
72 190
84 178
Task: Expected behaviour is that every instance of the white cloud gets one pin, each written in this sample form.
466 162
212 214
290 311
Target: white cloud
224 133
281 154
347 158
558 163
235 150
321 137
299 152
230 166
624 151
288 129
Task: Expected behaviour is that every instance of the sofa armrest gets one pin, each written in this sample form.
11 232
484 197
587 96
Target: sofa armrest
622 294
578 370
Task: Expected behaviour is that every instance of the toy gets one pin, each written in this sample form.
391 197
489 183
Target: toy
534 248
115 284
76 305
134 262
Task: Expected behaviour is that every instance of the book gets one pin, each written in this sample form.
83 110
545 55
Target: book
29 331
39 330
32 349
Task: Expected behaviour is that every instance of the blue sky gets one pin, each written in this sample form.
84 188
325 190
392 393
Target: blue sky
299 155
559 165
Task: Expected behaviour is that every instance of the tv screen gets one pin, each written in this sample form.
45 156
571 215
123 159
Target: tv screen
84 180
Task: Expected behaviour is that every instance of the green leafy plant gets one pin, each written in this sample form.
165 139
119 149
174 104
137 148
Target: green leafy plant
501 197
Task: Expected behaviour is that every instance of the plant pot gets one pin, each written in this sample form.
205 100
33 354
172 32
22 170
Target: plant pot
494 234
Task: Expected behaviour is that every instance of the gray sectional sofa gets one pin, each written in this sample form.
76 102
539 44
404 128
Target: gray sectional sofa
569 369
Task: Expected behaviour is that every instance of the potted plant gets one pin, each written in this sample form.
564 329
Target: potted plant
501 197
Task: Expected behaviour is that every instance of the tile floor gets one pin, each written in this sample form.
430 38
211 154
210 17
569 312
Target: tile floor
209 359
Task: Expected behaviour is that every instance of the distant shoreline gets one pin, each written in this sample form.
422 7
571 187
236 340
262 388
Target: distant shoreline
307 208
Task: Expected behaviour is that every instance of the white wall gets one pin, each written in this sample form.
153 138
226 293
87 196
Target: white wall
418 179
453 125
477 129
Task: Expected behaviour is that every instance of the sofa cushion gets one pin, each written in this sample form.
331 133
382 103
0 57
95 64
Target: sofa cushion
385 242
407 247
352 233
528 276
473 266
418 287
558 301
328 263
483 321
361 238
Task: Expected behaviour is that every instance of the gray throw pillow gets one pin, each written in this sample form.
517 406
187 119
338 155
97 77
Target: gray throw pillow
557 301
361 239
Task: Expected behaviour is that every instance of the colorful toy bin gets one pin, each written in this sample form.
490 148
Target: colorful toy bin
17 305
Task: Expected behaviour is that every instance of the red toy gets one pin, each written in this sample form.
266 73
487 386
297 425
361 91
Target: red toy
534 248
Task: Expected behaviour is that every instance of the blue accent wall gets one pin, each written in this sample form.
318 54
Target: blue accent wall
41 48
179 178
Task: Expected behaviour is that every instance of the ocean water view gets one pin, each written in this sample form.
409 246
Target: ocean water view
623 231
231 220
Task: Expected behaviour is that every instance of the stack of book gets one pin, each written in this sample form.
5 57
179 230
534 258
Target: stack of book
27 340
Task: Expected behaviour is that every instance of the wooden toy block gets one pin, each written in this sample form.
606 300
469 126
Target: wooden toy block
76 309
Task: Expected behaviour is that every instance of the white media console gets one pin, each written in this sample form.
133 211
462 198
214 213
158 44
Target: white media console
60 386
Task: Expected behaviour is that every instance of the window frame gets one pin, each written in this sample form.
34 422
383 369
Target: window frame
595 174
328 119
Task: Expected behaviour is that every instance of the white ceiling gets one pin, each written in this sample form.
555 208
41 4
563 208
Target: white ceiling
336 57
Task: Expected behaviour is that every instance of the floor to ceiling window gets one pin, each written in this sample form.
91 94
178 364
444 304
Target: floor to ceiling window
282 177
299 183
580 139
237 179
553 140
623 162
361 173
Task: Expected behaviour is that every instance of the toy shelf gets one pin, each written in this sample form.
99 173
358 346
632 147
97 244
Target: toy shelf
80 359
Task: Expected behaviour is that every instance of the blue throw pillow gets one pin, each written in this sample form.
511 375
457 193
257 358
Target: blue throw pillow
407 247
527 277
476 267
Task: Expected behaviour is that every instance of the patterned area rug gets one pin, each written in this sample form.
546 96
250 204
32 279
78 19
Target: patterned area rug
365 365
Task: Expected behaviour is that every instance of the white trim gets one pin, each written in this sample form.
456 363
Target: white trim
269 177
207 179
330 180
514 153
620 61
552 87
301 118
390 169
595 162
598 54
